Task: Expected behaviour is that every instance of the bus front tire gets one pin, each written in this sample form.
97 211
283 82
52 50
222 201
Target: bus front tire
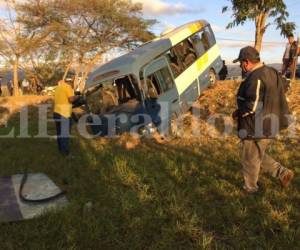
212 77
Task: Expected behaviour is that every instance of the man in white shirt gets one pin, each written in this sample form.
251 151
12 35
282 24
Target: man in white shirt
25 86
287 60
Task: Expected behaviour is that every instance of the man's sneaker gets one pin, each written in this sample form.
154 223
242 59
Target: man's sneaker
250 191
259 190
286 178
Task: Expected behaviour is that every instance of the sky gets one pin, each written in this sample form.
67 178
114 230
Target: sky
173 13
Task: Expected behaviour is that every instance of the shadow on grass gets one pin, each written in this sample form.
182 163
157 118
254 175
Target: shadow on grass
165 197
156 196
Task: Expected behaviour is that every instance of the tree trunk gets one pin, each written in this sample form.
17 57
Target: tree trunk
16 79
258 40
67 70
260 28
77 72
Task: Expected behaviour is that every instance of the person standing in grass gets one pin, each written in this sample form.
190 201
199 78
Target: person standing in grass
25 86
63 99
262 112
224 72
10 87
289 54
0 85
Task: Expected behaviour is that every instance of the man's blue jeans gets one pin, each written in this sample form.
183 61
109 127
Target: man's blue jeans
63 129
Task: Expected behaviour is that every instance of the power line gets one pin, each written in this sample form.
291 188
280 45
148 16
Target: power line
249 41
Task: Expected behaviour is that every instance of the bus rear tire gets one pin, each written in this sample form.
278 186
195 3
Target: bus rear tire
212 77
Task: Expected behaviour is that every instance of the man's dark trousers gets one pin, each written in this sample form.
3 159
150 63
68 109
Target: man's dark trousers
63 128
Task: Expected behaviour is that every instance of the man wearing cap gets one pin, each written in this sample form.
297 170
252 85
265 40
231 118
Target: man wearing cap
262 112
63 99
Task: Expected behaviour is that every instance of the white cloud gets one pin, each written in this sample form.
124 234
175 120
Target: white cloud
161 7
162 27
233 44
236 38
217 28
271 52
237 32
268 46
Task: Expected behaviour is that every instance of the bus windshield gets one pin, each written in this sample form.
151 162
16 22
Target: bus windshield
109 95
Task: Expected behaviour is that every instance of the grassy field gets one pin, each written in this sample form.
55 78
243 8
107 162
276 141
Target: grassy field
182 194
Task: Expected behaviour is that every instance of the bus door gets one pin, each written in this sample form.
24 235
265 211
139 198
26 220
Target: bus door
162 99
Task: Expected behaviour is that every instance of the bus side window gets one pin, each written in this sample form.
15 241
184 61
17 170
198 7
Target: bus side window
125 89
200 43
165 79
185 53
205 41
174 63
152 86
159 82
210 36
190 53
178 51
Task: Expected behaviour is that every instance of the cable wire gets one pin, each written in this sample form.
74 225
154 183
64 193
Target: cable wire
250 41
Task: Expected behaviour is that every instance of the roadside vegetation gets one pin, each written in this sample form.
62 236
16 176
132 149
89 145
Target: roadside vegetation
47 39
130 193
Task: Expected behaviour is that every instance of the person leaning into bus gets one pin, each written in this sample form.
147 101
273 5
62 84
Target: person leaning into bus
261 105
63 99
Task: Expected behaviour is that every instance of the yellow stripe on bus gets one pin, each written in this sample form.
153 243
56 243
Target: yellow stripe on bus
196 69
195 28
192 29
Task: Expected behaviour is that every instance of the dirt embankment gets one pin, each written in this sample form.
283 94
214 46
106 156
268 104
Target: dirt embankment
217 100
211 115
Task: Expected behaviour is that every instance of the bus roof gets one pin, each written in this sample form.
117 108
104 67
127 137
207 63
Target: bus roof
199 24
131 62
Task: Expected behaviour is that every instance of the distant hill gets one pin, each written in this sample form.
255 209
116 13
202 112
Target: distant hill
234 71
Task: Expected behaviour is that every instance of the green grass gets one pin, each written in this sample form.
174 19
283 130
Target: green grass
185 194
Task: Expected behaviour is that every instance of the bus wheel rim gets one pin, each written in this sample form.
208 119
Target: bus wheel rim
212 77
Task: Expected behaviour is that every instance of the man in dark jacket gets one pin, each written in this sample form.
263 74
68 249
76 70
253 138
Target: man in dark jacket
262 112
224 71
